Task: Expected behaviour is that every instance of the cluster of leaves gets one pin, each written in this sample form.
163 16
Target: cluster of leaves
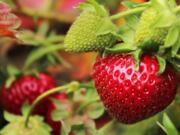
168 19
45 44
78 113
16 126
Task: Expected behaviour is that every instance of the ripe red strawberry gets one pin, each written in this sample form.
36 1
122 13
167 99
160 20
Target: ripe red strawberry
26 88
56 126
129 95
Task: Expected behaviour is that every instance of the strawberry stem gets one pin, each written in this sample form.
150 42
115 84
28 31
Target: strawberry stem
128 12
70 87
136 10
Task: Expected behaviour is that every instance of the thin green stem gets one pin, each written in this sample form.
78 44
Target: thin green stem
56 38
71 86
39 53
63 61
136 10
128 12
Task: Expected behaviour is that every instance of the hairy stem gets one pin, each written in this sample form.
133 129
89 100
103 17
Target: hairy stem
136 10
71 87
128 12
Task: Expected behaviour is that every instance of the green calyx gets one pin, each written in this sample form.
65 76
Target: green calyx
156 31
92 31
16 126
146 34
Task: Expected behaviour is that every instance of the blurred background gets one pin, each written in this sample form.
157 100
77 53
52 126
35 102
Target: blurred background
40 18
59 14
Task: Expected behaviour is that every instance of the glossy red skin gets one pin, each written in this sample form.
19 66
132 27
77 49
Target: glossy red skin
131 96
56 126
26 88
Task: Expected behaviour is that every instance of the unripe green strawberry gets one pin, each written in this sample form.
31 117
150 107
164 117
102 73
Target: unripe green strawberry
145 30
83 34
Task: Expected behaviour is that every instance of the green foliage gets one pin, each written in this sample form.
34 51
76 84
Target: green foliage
168 127
16 126
86 107
40 52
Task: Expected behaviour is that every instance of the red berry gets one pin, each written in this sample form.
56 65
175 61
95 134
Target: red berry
56 126
26 88
129 95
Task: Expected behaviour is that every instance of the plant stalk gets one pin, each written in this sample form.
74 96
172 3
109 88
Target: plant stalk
136 10
71 86
128 12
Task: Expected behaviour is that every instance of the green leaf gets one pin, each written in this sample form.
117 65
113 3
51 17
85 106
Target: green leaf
126 34
172 37
53 38
162 64
175 48
96 110
91 127
51 59
169 126
99 9
132 21
160 4
12 70
17 127
66 128
79 129
120 48
91 92
28 38
137 56
40 52
43 29
166 19
10 117
9 81
58 115
175 62
85 6
107 28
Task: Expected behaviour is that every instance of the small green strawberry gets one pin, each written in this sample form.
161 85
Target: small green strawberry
146 33
84 35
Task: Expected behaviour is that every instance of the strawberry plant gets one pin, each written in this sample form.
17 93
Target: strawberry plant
133 87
